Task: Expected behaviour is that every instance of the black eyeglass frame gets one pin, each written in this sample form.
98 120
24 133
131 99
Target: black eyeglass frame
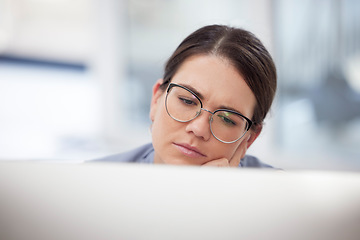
171 85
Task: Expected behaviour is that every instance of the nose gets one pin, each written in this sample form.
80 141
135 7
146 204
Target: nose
200 126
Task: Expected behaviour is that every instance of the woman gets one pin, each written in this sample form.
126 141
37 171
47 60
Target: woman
209 108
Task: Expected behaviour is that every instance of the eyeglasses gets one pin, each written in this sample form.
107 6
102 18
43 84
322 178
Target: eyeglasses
183 105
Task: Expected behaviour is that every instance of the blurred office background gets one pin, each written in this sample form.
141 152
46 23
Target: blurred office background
76 76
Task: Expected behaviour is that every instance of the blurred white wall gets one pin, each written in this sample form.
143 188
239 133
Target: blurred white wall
60 30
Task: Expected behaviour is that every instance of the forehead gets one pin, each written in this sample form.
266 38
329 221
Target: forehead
218 81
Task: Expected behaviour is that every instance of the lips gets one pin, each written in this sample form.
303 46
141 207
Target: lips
188 150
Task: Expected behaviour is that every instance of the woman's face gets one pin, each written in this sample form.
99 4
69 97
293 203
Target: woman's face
192 143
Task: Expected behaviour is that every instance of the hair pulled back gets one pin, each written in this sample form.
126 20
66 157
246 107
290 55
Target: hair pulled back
243 50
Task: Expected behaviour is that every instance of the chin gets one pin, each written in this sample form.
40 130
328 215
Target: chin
185 161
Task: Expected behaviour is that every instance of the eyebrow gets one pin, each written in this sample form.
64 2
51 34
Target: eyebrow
202 98
232 109
194 91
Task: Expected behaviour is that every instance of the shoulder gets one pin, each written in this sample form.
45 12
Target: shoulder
253 162
143 154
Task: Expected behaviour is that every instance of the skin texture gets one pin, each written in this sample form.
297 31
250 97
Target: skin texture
192 143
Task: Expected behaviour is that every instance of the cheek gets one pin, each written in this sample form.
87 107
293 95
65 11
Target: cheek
162 124
222 150
158 122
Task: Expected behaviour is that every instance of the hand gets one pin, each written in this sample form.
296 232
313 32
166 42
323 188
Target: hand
223 162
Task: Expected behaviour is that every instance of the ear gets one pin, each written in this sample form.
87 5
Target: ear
249 138
254 135
156 94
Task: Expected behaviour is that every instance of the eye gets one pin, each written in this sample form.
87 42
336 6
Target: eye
187 101
226 120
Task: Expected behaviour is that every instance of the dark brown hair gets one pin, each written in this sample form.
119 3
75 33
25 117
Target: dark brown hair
244 51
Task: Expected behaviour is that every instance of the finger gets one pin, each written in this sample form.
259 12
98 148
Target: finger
239 152
221 162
